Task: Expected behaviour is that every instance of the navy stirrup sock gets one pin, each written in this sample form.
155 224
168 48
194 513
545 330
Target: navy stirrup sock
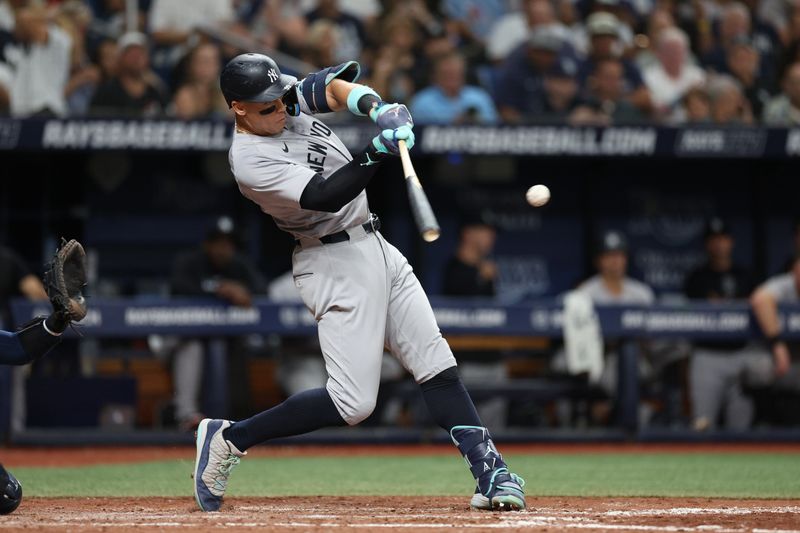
475 444
448 400
301 413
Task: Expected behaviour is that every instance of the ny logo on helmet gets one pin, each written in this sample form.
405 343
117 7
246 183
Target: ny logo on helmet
273 76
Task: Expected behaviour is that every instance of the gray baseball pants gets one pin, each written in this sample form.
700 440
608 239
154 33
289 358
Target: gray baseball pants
365 296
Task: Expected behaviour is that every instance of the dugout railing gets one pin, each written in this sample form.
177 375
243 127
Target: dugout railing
209 320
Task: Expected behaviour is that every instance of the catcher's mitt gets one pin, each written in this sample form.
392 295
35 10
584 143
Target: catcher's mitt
65 278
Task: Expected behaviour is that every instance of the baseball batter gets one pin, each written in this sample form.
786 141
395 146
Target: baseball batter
359 287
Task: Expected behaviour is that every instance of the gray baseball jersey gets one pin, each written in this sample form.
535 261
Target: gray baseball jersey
362 292
273 171
633 292
783 288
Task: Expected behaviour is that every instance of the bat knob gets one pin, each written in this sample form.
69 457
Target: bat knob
431 235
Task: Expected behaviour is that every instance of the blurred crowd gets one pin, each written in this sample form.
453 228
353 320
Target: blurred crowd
582 62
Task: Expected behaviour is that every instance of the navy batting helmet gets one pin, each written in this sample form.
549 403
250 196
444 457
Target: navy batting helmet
253 78
10 492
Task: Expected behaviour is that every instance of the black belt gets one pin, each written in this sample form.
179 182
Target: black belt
374 224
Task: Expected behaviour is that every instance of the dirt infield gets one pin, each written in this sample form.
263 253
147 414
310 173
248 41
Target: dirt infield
406 513
397 512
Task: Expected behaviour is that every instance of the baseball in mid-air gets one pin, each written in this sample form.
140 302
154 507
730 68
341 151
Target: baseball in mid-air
538 195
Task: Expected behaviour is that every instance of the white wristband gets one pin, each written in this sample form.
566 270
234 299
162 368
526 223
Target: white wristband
44 325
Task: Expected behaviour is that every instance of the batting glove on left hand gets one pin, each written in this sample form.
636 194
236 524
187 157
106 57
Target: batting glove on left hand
386 142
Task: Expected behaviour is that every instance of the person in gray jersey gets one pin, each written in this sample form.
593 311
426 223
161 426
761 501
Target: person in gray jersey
361 290
781 372
612 286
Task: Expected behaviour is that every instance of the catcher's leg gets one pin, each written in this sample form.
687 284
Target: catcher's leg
11 350
31 342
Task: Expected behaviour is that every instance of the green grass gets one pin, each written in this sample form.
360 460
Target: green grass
659 474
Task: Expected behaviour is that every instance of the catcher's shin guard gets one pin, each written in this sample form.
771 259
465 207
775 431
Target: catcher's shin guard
36 340
10 492
497 488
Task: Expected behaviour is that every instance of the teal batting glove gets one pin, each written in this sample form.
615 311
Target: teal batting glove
386 142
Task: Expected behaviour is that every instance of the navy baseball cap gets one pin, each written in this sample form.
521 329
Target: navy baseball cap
475 219
222 228
717 226
612 241
564 67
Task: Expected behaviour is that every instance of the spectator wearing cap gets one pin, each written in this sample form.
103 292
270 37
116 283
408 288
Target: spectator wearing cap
449 100
134 90
561 92
605 44
519 88
511 30
784 109
625 15
35 63
611 284
783 369
217 270
673 75
719 370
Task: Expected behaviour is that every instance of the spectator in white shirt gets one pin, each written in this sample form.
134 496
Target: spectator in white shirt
34 65
673 75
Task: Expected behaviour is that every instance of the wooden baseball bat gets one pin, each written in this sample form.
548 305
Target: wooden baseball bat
420 206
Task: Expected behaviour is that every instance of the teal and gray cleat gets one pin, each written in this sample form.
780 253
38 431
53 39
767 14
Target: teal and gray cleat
216 457
504 493
497 489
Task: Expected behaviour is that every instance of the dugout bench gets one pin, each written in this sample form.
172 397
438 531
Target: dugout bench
467 322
